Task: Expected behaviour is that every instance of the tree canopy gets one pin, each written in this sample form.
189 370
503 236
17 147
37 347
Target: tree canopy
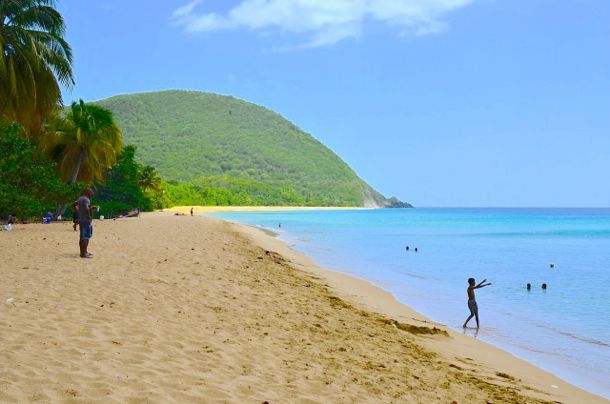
122 191
34 60
213 141
86 142
150 179
29 185
48 153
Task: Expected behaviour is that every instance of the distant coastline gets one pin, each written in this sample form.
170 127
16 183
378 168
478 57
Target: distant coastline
209 209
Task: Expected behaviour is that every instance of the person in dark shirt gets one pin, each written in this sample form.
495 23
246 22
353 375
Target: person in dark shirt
85 221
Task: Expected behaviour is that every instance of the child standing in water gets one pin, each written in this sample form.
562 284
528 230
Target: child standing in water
472 302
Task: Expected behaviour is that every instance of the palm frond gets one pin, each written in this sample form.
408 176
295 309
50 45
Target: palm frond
34 60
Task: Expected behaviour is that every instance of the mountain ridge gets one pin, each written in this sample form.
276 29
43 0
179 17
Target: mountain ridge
235 144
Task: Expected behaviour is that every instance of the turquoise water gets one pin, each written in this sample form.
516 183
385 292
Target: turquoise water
565 329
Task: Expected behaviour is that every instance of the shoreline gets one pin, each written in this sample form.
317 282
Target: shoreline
197 209
374 298
175 308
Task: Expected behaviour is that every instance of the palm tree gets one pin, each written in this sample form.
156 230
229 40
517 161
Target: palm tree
34 61
86 143
150 179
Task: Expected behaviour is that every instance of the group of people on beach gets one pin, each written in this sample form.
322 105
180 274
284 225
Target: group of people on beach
184 214
472 302
12 219
82 217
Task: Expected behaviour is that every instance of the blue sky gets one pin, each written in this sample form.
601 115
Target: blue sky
439 102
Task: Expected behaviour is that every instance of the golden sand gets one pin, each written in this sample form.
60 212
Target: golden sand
193 309
208 209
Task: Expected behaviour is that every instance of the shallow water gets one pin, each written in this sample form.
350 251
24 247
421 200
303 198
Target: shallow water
565 329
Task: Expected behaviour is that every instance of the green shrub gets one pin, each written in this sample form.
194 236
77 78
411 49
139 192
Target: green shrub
29 184
122 191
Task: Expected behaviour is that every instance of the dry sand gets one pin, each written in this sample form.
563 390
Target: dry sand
208 209
192 309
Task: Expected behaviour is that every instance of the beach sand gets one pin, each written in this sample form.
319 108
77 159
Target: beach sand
209 209
193 309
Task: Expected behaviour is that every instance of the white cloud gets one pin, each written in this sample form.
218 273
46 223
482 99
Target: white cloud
324 21
185 10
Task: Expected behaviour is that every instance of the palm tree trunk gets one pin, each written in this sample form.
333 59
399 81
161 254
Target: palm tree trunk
61 209
76 169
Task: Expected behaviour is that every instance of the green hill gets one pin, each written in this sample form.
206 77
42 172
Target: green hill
222 145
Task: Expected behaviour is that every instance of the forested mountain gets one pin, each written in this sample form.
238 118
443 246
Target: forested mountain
218 144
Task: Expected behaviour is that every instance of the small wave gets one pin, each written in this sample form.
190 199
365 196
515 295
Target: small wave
267 231
605 233
571 335
564 333
583 339
412 275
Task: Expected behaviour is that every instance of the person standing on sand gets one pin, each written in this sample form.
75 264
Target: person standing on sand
85 221
191 211
472 302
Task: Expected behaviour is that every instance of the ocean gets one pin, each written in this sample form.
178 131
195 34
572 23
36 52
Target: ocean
564 329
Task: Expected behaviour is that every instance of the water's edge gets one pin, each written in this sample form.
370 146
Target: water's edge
489 335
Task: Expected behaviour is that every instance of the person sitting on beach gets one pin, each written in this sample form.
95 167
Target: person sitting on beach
472 302
47 218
